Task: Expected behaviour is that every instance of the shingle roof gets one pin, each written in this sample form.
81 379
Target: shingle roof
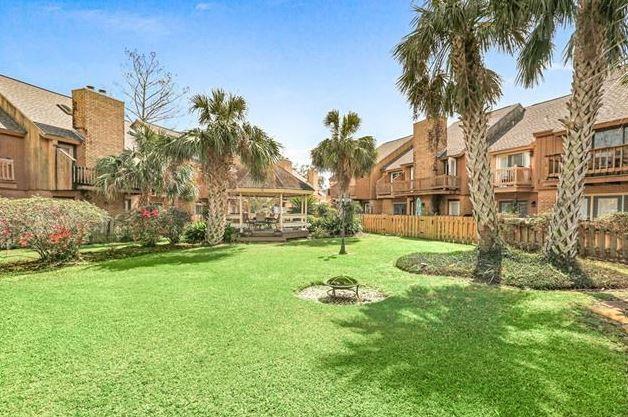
544 116
455 141
278 178
406 158
41 106
7 123
389 147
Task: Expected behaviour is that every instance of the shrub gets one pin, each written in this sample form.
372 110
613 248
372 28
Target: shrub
614 222
122 228
230 233
145 225
173 223
54 228
195 232
520 269
329 224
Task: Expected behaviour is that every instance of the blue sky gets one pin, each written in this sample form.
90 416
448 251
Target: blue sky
293 60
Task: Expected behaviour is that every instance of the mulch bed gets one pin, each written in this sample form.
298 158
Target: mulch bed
343 297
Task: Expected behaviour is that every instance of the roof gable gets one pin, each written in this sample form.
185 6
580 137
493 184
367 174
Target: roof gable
41 106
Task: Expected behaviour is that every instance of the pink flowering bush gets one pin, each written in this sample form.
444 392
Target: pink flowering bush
54 228
145 225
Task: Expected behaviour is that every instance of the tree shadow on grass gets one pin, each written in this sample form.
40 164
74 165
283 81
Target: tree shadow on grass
478 350
180 257
319 243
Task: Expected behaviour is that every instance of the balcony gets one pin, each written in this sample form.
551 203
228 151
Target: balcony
438 183
604 161
83 176
431 185
514 177
7 170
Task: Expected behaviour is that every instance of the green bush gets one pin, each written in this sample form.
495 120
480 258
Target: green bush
122 228
230 234
614 222
329 224
195 232
173 223
519 269
54 228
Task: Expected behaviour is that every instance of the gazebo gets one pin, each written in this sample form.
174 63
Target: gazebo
259 210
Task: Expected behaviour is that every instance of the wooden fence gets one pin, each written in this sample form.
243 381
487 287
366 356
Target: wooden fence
593 243
447 228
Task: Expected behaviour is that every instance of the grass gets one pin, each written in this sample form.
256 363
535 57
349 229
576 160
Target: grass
219 332
520 269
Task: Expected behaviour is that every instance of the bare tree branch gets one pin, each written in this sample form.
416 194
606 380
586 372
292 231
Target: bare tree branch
150 92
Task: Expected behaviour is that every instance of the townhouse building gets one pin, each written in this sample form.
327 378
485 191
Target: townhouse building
525 152
50 143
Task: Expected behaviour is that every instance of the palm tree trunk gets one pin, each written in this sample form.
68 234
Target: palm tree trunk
341 212
589 73
467 70
216 179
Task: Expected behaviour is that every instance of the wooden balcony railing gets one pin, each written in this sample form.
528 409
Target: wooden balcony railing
513 177
83 176
7 170
604 161
429 184
438 182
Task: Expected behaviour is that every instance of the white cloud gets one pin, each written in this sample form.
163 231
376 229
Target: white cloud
119 20
204 6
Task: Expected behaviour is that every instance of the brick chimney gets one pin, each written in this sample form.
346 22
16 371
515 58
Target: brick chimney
312 177
100 119
285 164
424 152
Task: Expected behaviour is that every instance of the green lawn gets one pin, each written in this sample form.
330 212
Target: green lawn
219 332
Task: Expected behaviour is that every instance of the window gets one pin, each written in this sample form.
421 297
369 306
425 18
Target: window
127 204
200 209
608 138
521 159
418 207
67 149
585 206
606 205
452 167
395 175
453 208
399 208
517 207
66 109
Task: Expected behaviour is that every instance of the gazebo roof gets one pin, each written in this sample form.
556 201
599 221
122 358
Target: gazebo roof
278 180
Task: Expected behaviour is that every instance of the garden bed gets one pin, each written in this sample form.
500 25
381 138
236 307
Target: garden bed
520 269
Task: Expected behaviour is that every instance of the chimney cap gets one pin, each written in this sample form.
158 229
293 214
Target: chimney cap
89 87
102 90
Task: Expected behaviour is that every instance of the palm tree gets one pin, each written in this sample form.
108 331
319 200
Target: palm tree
444 73
224 138
146 169
599 44
345 157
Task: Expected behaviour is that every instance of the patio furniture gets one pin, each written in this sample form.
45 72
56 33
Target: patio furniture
343 282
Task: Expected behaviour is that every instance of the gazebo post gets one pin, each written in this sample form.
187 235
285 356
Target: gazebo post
281 212
241 216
